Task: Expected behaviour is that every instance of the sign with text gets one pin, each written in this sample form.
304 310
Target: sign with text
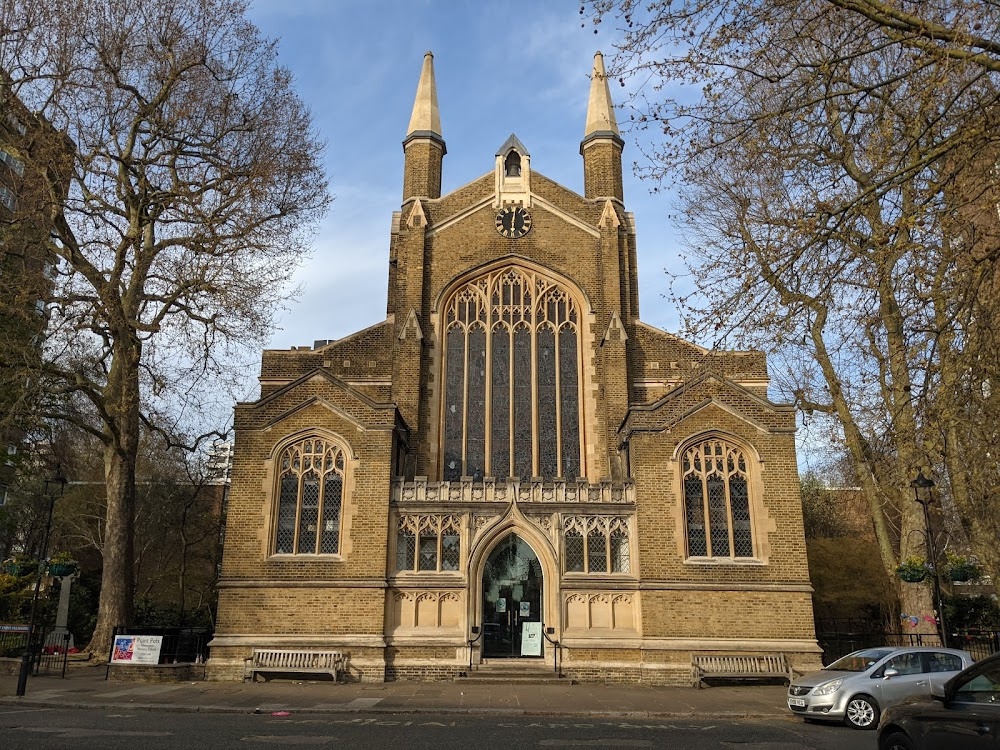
531 639
136 649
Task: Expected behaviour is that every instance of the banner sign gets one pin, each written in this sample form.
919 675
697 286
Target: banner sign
531 639
136 649
13 628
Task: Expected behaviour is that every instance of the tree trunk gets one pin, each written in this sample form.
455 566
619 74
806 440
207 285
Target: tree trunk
121 449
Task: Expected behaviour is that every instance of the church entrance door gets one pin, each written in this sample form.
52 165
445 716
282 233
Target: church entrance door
512 601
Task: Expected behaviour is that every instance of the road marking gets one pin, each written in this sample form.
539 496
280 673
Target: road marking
87 732
363 702
142 690
596 743
280 739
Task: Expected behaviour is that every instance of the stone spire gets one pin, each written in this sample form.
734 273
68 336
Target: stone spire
602 143
600 110
424 146
426 118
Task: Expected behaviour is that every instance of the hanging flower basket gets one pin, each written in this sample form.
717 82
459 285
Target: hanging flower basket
62 564
962 568
11 568
62 569
912 569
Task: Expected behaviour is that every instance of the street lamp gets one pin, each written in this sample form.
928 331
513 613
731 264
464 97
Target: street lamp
927 485
29 650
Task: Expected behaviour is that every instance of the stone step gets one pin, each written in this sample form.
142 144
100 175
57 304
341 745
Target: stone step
481 677
519 670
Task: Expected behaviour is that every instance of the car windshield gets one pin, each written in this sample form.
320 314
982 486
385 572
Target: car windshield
859 661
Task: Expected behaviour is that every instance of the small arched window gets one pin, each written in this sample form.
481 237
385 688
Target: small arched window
717 500
310 494
512 164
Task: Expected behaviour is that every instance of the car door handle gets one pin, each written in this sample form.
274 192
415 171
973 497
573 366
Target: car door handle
921 683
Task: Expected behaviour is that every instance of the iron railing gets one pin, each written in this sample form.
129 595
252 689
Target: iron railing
979 643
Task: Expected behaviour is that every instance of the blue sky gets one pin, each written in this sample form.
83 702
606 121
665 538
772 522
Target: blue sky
520 67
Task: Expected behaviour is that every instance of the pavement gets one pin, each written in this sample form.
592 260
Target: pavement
85 687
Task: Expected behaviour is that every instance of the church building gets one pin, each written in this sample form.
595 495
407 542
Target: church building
512 464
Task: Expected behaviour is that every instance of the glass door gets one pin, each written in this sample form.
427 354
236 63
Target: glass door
512 601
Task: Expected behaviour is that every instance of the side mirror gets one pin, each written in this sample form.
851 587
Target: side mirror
889 673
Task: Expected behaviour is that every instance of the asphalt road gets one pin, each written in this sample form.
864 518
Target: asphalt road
94 729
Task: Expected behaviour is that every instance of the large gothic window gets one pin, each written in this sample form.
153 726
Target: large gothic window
310 493
512 378
717 500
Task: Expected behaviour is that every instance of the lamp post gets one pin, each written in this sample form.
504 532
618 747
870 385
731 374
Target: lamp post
927 485
29 651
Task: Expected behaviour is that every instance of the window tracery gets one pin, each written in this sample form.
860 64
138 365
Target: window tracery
596 544
717 500
310 495
428 543
512 378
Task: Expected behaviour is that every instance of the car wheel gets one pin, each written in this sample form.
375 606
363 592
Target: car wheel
862 712
896 741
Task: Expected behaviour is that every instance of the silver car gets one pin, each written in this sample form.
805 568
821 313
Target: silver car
856 688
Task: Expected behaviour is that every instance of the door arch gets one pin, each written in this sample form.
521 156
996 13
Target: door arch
512 586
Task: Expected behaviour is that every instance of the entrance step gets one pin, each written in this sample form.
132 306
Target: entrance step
521 671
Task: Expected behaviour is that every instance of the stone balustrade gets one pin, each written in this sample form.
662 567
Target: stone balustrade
489 490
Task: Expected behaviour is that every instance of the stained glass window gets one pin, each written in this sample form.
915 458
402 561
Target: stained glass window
522 404
475 433
716 489
310 495
569 407
454 406
500 437
511 379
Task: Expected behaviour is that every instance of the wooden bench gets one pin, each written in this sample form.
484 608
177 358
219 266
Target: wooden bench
744 666
270 661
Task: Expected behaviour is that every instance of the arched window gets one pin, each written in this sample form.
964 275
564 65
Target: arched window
717 500
310 493
512 378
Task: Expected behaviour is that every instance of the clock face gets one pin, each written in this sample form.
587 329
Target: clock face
513 222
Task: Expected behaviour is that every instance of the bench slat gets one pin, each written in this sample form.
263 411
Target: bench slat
739 665
288 660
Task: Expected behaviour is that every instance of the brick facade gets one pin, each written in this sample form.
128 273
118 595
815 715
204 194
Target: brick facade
645 397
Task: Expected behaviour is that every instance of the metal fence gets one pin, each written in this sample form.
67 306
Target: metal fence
179 646
979 643
13 639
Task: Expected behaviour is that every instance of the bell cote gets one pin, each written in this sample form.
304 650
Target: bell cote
513 174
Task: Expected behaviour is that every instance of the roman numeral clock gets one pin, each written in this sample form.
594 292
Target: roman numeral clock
513 222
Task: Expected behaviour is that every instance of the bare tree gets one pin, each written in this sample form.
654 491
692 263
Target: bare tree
816 150
194 183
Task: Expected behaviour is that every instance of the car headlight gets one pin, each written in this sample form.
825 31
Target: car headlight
828 687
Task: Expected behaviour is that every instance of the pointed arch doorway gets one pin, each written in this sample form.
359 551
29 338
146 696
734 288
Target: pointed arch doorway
512 590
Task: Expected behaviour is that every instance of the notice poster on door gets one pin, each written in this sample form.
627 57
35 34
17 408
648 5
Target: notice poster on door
531 639
525 609
501 605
